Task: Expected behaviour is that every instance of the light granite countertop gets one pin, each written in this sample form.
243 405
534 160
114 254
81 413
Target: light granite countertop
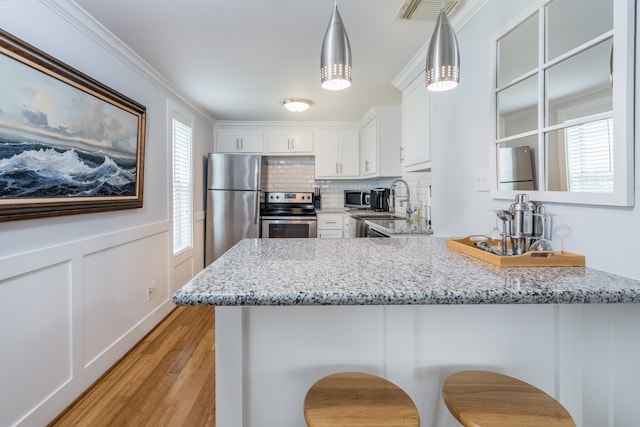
402 270
394 227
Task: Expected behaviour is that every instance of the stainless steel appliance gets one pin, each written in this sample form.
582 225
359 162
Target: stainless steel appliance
233 201
380 199
515 168
357 199
289 215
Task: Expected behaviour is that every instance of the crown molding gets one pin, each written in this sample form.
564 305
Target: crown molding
92 28
417 64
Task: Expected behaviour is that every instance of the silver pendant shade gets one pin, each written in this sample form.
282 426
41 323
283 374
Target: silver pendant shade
443 57
335 58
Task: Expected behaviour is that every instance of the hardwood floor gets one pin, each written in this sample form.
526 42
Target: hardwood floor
165 380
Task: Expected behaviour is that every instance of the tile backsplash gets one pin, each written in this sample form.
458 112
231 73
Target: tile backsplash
295 174
298 174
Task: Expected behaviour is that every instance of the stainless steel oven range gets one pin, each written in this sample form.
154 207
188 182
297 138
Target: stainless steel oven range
288 215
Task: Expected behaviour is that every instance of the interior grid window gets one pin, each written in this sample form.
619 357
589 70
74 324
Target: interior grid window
182 187
589 148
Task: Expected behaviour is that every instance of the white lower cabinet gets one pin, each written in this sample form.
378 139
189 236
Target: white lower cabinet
330 225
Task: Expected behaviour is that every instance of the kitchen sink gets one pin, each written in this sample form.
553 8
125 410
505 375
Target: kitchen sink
368 216
358 225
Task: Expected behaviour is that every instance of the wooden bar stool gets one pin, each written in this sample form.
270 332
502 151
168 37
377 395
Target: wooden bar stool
489 399
354 399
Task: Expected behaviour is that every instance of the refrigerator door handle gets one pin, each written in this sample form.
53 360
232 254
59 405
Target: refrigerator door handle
256 208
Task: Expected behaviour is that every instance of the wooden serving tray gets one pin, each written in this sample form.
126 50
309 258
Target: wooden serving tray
530 259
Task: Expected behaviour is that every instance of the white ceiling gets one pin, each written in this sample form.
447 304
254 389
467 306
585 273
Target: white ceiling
239 60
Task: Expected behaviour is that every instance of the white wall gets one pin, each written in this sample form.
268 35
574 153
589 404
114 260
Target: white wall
73 288
460 136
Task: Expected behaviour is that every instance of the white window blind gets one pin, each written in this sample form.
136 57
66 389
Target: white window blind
182 197
590 156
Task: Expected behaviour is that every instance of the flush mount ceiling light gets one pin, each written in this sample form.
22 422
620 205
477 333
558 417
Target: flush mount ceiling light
443 57
296 105
335 58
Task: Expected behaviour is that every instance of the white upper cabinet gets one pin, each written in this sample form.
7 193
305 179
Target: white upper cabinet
239 141
381 138
370 149
416 146
337 154
289 141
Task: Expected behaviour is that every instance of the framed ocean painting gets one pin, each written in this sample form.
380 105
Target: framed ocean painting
68 144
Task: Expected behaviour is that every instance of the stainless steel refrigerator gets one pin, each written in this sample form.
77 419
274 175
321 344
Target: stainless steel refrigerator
516 166
233 201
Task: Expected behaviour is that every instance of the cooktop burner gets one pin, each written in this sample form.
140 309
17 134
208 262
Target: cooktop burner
288 204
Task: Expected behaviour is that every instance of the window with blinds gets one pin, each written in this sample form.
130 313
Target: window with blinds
182 185
589 149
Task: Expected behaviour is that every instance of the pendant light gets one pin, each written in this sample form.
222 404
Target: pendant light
443 57
335 58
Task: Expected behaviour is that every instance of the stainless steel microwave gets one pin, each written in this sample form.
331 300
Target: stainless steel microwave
357 199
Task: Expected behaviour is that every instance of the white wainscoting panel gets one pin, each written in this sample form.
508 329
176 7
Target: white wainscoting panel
36 354
115 290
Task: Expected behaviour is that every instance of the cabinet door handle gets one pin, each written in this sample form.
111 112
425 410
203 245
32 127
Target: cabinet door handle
402 154
340 168
237 143
242 143
366 165
337 171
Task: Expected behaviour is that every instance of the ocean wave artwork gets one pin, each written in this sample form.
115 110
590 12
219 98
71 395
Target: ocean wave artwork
35 169
68 143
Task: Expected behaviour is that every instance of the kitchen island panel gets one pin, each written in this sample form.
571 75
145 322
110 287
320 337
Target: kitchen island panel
268 357
610 370
284 350
518 340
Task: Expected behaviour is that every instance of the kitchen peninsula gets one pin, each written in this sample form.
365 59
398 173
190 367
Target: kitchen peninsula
410 309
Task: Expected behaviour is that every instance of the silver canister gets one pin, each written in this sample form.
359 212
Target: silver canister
522 223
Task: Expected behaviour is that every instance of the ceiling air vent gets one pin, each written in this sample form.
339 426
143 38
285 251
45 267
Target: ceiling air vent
427 10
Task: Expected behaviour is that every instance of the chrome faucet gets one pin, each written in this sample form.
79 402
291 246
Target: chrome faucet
406 198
